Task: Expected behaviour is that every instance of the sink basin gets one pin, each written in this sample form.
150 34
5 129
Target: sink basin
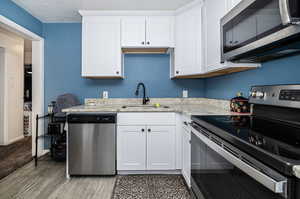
144 106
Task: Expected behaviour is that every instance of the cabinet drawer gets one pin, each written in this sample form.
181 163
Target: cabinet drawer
125 119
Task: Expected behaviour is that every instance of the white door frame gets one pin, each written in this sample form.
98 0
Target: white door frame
37 76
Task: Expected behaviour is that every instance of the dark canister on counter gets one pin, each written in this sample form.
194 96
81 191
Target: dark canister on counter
240 104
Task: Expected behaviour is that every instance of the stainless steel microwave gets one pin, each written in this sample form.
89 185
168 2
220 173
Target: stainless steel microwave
260 30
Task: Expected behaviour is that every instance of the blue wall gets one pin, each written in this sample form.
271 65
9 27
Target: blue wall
282 71
63 63
63 70
17 14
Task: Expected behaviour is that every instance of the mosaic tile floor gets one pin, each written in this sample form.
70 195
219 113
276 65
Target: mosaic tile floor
150 187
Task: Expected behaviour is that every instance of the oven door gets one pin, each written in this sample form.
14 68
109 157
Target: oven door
220 171
257 23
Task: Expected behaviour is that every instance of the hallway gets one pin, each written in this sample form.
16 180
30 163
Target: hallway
15 156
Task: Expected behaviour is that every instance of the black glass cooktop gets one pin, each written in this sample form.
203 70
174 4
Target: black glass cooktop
278 138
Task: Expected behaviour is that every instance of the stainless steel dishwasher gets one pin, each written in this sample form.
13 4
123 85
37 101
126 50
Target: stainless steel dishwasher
92 144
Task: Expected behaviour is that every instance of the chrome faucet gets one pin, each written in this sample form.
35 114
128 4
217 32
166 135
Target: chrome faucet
145 99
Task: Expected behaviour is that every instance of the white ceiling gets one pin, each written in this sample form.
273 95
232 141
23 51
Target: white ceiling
67 10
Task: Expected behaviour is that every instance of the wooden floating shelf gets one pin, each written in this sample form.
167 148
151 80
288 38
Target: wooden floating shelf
145 50
216 73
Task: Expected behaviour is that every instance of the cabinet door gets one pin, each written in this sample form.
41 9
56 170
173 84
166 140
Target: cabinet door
131 148
160 147
159 31
213 10
186 155
188 59
244 31
133 31
101 47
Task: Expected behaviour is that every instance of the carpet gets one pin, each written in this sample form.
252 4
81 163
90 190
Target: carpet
150 187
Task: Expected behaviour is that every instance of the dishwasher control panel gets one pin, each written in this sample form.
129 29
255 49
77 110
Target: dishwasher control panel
91 118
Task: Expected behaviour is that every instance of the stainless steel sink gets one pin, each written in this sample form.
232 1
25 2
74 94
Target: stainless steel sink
144 106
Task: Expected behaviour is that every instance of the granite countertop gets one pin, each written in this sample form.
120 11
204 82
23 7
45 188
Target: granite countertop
189 107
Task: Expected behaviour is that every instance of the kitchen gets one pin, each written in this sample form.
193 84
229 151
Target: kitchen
191 63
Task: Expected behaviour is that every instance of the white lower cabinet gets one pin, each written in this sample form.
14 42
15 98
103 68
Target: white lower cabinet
148 146
186 155
161 147
131 148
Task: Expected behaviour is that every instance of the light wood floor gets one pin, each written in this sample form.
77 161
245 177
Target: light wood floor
14 156
48 181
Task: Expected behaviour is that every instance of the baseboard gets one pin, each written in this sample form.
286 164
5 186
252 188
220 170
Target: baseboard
165 172
43 152
13 140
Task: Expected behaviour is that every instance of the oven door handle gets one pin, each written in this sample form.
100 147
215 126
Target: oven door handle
270 183
296 170
285 12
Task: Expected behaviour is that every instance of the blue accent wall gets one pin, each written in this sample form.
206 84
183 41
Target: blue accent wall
63 70
63 67
20 16
281 71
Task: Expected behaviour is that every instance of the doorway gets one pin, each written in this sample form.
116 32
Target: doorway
27 88
15 148
37 88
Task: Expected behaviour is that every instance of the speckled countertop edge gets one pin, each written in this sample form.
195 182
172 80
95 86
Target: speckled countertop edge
188 106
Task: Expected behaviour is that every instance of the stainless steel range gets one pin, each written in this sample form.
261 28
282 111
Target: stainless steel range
250 157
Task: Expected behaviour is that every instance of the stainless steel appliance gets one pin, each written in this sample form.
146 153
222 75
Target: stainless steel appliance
260 30
250 157
92 144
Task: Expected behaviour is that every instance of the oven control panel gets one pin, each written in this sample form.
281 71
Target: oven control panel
276 95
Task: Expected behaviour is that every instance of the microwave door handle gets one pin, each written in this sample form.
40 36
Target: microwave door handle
285 12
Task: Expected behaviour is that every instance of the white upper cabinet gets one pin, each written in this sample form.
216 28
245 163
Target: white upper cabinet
152 31
160 31
101 47
213 11
188 50
133 31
